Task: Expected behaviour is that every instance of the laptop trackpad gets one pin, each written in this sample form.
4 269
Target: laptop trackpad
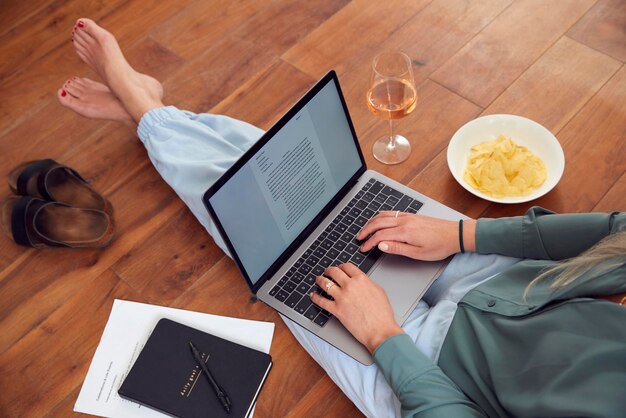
405 280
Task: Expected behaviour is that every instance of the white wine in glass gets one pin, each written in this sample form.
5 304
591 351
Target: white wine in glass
392 95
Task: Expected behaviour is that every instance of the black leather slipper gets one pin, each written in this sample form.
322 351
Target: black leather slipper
34 222
49 180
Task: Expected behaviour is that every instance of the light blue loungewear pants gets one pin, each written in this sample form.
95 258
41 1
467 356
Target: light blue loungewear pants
191 151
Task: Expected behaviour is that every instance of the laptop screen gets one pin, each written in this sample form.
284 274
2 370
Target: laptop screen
278 188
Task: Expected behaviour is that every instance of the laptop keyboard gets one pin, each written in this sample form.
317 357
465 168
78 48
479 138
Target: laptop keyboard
337 245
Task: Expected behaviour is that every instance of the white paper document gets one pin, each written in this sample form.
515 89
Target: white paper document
129 326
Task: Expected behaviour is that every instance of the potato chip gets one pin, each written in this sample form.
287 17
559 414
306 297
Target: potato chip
501 168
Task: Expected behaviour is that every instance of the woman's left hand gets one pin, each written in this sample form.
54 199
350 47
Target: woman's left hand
360 304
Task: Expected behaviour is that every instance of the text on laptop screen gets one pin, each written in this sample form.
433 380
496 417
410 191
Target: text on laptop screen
280 190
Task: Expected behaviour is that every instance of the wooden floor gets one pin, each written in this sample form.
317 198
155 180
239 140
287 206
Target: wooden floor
560 63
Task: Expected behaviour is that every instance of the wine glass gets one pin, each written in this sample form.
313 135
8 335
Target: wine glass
392 95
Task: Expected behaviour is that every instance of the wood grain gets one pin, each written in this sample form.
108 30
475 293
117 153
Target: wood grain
557 85
503 50
264 98
603 28
159 274
61 356
14 12
559 63
188 36
430 38
614 199
334 401
344 37
41 283
43 32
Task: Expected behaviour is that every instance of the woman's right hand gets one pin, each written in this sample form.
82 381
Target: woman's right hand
416 236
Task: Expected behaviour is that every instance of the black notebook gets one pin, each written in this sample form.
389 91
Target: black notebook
166 377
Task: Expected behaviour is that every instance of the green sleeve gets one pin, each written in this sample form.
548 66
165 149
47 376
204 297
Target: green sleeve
423 389
541 234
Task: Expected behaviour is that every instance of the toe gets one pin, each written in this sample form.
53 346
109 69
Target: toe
81 41
72 88
82 37
80 82
66 99
89 27
83 24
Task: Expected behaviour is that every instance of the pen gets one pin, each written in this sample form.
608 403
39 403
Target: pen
223 397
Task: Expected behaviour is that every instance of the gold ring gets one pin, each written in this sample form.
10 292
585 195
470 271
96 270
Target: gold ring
328 286
397 213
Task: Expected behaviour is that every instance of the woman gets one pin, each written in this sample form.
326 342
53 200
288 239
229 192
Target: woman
487 339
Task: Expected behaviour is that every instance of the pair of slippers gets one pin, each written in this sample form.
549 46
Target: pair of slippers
56 207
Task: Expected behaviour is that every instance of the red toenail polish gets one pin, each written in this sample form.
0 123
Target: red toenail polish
63 93
80 24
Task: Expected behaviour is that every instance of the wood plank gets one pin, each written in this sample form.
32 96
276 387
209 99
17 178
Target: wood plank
277 88
31 141
71 335
507 47
358 27
291 364
161 273
14 12
43 32
555 87
603 28
65 407
41 283
614 199
239 61
275 25
429 38
189 36
87 136
24 91
244 51
335 404
594 146
282 24
120 156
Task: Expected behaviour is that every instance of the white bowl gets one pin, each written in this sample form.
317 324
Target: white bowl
522 131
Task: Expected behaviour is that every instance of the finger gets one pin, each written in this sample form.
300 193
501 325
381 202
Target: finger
400 248
327 285
392 213
389 234
376 224
350 269
336 274
323 303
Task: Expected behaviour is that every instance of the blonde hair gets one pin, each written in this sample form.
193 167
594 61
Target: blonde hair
608 254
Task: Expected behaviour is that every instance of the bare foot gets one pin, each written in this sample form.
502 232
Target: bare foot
98 48
93 100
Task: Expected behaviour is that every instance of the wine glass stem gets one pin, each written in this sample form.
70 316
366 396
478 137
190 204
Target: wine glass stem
392 140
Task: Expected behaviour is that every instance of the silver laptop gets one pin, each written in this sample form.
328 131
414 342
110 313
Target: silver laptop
292 205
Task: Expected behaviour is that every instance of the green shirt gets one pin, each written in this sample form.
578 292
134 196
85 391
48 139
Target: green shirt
557 353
